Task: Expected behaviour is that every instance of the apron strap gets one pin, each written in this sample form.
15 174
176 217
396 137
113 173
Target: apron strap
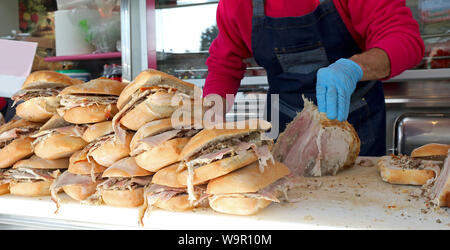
258 8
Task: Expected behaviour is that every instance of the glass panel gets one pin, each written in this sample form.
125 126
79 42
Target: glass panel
182 46
433 17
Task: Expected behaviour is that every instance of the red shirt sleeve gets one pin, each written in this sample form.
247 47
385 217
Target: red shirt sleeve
385 24
2 103
225 62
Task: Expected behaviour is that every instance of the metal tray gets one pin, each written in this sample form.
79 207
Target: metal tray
412 130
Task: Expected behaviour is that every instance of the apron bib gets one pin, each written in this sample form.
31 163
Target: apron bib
292 49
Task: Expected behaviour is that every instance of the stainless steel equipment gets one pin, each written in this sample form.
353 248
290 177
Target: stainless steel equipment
412 130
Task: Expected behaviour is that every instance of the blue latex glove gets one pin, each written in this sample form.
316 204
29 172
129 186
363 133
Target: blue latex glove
335 85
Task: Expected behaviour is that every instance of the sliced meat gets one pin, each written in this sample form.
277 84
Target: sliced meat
312 145
136 98
27 94
440 191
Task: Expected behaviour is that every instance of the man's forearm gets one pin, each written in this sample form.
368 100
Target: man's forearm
374 63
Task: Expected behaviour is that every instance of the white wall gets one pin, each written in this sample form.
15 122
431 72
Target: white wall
9 16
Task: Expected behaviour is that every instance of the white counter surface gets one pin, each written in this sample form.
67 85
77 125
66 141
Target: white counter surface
354 199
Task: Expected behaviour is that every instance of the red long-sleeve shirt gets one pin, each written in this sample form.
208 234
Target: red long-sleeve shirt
384 24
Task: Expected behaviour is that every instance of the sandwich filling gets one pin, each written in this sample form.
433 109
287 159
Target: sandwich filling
66 179
164 98
409 163
310 146
12 134
154 193
73 130
24 174
84 100
27 94
125 183
92 146
215 151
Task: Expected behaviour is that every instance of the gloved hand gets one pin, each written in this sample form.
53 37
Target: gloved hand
335 85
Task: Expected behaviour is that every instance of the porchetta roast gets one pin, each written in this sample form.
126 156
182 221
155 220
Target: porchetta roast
313 145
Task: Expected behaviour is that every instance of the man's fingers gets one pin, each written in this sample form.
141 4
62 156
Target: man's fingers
343 106
331 102
321 92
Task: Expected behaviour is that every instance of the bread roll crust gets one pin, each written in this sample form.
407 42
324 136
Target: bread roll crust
100 86
112 151
80 192
431 149
248 179
45 79
218 168
58 146
404 176
125 167
238 205
179 203
39 163
168 177
97 130
138 117
90 114
123 198
32 189
38 109
78 164
163 155
16 150
4 188
151 77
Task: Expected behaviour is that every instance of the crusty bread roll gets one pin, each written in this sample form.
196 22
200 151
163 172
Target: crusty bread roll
406 171
150 78
80 192
236 193
79 164
97 130
38 109
227 164
46 79
431 151
100 86
4 188
58 146
98 97
90 114
168 176
238 205
123 198
40 163
125 167
31 189
179 203
37 186
218 168
149 98
16 150
112 151
153 158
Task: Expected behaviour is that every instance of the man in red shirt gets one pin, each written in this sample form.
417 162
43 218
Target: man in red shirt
333 52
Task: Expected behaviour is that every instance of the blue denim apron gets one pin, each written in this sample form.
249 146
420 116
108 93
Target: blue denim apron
292 49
